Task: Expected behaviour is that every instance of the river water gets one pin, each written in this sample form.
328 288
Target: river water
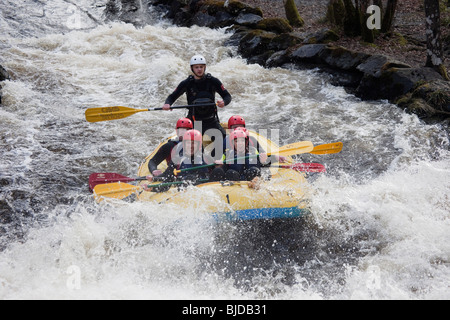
380 222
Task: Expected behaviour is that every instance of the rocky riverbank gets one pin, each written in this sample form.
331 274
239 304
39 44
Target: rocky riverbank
266 37
263 35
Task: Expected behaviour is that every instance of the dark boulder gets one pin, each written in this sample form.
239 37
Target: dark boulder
322 36
284 41
248 19
276 25
428 99
309 53
3 74
203 20
341 58
394 82
255 42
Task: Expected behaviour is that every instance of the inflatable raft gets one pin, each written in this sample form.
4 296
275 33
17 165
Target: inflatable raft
282 194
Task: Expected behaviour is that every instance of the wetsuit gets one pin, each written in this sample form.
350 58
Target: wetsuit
164 153
200 92
242 169
190 176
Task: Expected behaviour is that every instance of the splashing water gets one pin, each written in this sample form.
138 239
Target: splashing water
380 223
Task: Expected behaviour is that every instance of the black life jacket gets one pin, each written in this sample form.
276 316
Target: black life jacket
197 96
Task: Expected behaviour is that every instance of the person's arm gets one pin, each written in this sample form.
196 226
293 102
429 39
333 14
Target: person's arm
176 94
162 154
220 89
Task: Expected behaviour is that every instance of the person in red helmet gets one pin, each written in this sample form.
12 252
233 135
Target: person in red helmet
242 161
235 122
238 121
192 156
165 152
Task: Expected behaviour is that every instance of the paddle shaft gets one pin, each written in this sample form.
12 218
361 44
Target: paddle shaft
213 164
163 184
303 167
115 113
295 148
184 107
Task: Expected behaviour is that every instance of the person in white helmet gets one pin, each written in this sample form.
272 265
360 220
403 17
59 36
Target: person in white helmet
200 88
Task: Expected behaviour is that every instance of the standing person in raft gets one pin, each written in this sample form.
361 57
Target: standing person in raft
200 88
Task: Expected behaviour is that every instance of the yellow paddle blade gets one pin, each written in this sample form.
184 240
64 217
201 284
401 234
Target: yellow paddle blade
295 148
110 113
115 190
328 148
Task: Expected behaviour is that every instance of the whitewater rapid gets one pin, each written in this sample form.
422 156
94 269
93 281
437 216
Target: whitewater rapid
380 222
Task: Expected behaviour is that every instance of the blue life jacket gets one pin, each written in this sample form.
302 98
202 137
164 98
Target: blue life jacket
192 162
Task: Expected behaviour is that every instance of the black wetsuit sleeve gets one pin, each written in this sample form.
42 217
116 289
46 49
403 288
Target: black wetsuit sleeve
168 175
182 87
220 89
162 154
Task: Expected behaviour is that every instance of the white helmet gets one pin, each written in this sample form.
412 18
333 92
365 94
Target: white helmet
198 59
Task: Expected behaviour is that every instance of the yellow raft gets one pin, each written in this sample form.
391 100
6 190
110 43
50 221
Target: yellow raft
281 196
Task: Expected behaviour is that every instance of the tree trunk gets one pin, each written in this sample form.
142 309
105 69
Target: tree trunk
366 33
388 17
336 12
292 14
435 53
352 25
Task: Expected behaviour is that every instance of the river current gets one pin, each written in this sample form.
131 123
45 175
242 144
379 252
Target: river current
380 222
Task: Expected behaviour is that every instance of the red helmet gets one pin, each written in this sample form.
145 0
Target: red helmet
236 120
184 123
193 135
238 133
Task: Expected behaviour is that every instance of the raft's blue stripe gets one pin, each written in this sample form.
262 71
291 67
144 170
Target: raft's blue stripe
261 213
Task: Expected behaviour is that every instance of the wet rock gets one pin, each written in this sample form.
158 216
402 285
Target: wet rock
428 99
255 42
394 82
284 41
3 74
129 11
322 36
436 93
375 64
308 53
260 59
341 58
209 13
203 20
248 19
276 25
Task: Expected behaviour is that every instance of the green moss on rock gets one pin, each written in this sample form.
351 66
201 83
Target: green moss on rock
277 25
292 14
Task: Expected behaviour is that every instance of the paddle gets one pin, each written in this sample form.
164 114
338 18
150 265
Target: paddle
328 148
115 113
304 167
103 178
122 190
291 149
